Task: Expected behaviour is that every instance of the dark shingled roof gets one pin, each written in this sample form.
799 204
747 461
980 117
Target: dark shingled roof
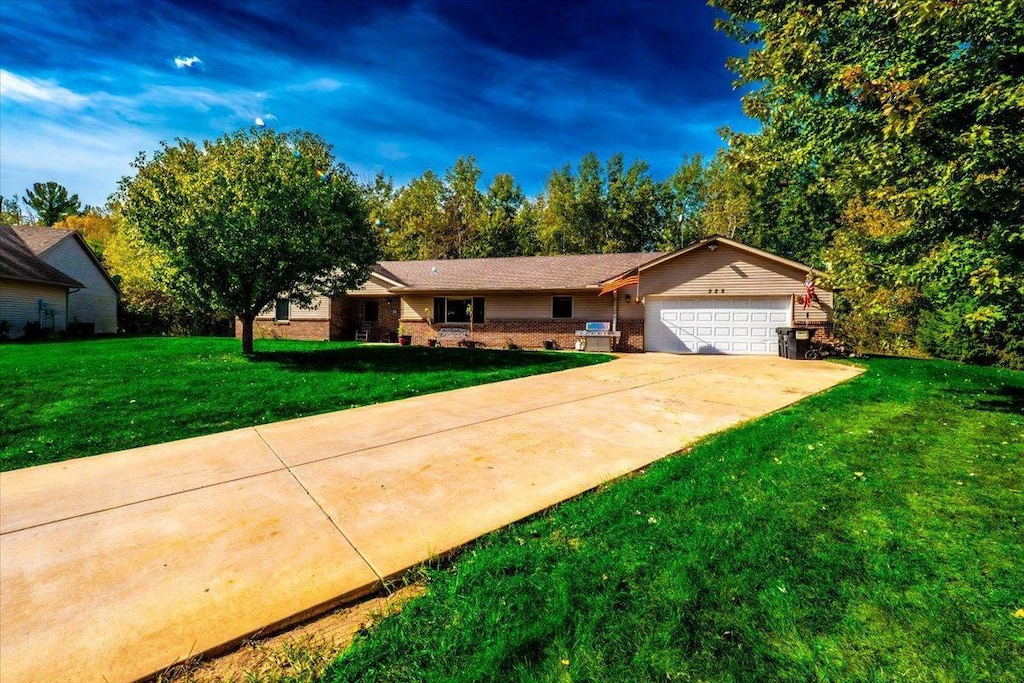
517 273
39 238
17 262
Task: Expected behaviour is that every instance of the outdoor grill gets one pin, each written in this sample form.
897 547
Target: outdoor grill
597 337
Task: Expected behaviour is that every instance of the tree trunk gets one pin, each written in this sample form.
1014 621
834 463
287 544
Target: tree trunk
247 333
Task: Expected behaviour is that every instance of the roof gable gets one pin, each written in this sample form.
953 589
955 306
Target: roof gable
41 239
18 262
707 241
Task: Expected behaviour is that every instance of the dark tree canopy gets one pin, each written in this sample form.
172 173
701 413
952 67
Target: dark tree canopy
51 202
901 122
252 216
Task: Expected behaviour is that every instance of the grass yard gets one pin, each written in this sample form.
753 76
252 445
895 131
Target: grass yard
64 400
872 533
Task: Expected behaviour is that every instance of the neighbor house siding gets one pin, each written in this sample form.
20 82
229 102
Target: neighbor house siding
19 304
97 302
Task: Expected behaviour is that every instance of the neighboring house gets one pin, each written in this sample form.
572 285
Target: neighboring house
76 289
716 295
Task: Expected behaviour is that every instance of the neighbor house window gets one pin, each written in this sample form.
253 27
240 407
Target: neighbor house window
561 307
371 311
282 310
452 310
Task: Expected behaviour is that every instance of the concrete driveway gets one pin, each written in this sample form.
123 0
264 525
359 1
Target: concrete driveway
116 566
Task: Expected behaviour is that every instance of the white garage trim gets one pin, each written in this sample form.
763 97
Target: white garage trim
732 325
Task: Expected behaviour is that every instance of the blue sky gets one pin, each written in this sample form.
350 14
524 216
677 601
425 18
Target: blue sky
398 85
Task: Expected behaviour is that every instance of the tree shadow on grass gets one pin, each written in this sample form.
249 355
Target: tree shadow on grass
1004 399
1008 399
415 359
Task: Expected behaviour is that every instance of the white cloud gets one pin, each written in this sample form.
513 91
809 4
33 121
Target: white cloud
86 155
392 151
187 62
243 104
318 85
26 90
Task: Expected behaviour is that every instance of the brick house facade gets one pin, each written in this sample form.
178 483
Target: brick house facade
713 296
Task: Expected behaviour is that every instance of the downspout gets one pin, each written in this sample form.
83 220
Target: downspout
67 304
615 311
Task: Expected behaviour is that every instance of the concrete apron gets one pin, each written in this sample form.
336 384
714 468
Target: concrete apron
114 567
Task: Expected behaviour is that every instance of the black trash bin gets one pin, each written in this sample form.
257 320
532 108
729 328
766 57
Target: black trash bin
783 333
795 342
802 336
787 343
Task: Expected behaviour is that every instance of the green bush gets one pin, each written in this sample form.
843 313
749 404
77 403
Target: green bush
945 333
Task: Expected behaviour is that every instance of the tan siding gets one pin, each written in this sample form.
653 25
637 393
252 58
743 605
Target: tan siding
320 309
19 304
819 311
736 272
417 307
593 307
631 310
373 286
522 307
97 303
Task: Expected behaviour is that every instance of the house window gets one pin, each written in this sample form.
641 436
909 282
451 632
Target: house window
561 307
371 311
452 310
282 310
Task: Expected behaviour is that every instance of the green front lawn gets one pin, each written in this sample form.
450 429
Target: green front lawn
872 533
65 400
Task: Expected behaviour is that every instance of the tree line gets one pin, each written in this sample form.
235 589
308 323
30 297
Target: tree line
891 154
593 206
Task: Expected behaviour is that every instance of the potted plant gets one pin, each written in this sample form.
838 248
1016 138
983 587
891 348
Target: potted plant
431 342
404 337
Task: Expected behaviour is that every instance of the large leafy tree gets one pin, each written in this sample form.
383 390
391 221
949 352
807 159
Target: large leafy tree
685 196
251 216
501 230
416 223
914 108
96 225
463 208
51 202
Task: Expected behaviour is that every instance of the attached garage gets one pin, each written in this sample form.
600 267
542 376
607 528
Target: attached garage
722 296
708 325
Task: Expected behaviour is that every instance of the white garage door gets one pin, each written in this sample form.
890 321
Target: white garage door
715 325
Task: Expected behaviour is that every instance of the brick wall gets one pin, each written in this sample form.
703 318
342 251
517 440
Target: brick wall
342 317
389 311
527 333
823 332
293 329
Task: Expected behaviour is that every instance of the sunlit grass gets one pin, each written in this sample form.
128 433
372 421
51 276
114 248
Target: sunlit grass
67 400
872 533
